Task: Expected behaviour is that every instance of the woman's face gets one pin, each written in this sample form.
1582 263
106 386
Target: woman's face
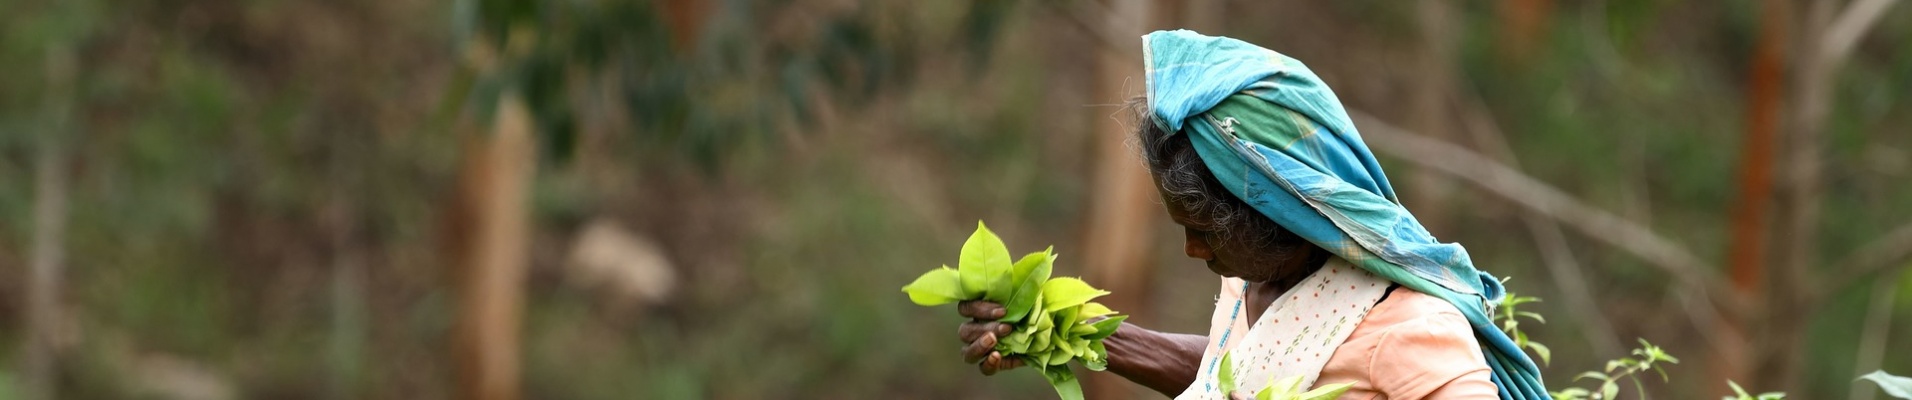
1240 253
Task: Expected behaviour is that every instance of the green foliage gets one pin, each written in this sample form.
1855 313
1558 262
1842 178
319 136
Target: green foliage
694 87
1055 321
1740 394
1646 358
1278 389
985 266
1892 385
937 287
1508 316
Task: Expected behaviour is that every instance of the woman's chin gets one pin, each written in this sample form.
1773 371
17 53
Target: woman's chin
1224 272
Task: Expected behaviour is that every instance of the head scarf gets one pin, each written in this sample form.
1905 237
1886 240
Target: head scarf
1274 134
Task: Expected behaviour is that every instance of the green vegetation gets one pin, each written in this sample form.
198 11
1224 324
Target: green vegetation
1508 315
1066 326
1278 389
258 190
1893 385
1646 358
1740 394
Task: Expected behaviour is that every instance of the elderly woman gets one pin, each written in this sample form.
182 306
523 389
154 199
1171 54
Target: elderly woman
1323 274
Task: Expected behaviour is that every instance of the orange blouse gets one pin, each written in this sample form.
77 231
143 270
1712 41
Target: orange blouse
1411 346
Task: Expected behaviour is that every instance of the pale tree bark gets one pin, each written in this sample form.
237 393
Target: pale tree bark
1872 338
345 342
495 184
45 272
1825 46
1115 248
1429 193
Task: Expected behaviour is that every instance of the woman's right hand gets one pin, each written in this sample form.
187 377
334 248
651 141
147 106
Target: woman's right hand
979 336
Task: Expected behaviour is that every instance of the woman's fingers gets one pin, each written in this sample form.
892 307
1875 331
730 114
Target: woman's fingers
969 331
981 310
981 333
979 348
997 363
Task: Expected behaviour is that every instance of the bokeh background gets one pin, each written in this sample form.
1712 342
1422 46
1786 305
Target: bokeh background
596 199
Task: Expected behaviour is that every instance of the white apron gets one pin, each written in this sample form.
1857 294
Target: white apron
1295 336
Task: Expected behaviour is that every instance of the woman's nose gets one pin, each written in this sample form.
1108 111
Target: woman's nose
1196 246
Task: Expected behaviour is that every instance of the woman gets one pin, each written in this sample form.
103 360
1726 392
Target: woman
1324 275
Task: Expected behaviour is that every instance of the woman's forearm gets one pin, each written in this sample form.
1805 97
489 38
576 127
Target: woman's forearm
1165 362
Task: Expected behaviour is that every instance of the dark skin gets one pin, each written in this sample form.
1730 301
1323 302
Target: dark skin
1166 362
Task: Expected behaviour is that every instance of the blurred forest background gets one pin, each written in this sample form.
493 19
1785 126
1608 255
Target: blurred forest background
597 199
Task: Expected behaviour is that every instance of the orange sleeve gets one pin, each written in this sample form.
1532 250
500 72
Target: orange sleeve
1433 356
1411 346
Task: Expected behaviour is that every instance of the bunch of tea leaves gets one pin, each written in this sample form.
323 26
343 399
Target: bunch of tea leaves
1053 318
1278 389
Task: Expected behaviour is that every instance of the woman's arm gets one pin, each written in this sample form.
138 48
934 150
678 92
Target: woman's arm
1165 362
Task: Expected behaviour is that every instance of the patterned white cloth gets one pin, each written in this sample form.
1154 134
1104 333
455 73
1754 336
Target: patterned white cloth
1295 336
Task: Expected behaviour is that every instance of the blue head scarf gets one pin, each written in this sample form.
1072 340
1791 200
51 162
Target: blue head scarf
1276 136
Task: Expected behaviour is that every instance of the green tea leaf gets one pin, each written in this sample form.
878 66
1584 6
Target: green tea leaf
1091 310
1028 273
1067 387
1285 386
936 287
1225 374
1106 327
1015 343
1082 330
1546 354
1327 392
984 264
1099 364
1892 385
1059 355
1060 293
1065 320
1101 359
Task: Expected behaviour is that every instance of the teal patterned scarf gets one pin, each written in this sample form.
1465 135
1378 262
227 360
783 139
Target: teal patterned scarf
1276 136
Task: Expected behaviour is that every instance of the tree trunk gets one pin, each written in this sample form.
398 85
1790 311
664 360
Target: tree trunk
1523 25
1115 247
41 359
494 187
346 341
1747 253
1799 201
1430 193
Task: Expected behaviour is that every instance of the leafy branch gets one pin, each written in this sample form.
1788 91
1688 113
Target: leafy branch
1740 394
1646 358
1508 316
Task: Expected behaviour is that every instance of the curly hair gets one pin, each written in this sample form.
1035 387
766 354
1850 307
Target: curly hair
1186 180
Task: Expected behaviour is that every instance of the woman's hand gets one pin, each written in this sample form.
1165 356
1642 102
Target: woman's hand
980 335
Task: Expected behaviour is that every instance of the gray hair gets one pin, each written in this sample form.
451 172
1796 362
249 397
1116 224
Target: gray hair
1183 177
